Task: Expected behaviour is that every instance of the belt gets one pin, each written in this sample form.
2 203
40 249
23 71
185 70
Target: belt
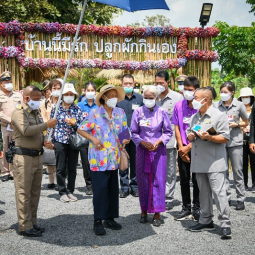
28 152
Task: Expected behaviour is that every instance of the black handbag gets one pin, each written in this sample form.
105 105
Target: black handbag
78 142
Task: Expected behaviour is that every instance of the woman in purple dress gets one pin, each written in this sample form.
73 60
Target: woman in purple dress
151 130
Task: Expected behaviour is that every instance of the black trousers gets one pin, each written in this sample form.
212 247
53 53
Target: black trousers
66 166
246 155
105 194
86 167
184 170
124 180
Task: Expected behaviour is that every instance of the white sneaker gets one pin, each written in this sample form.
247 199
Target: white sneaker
72 197
64 199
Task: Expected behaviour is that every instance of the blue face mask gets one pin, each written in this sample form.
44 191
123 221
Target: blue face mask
128 90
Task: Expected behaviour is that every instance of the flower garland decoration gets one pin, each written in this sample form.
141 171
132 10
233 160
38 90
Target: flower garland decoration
183 55
14 27
102 64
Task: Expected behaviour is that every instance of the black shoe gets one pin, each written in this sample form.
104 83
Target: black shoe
169 206
240 206
156 222
143 219
135 193
196 214
31 233
230 203
51 186
246 188
38 228
112 224
10 177
98 228
253 188
226 233
45 171
185 213
89 192
201 227
177 178
124 194
5 178
56 187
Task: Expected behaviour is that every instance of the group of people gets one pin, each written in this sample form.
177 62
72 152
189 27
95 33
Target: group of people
185 128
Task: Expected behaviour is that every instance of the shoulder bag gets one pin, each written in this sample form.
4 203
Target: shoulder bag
124 157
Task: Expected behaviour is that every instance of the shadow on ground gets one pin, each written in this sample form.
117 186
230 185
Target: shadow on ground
76 230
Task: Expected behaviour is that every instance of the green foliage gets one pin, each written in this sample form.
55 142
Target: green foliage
235 46
153 21
252 3
62 11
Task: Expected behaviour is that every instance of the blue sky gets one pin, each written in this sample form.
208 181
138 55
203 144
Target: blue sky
186 13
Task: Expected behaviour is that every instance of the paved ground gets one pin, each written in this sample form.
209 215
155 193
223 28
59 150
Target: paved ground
69 228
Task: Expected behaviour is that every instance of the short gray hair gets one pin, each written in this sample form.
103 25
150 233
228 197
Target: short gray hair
152 89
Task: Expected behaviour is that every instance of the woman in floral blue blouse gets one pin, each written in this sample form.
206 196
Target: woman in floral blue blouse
69 117
102 127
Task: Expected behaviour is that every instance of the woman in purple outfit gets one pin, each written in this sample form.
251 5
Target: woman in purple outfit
151 130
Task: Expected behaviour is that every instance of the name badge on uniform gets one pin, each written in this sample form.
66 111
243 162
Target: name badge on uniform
230 118
186 120
196 128
135 106
144 123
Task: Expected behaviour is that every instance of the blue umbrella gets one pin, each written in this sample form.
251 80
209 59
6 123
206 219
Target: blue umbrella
136 5
129 5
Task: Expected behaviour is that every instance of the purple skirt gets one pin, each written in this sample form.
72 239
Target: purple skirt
151 178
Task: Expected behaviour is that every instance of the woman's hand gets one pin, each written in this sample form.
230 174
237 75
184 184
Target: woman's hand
125 141
71 122
149 146
48 145
98 144
233 125
157 144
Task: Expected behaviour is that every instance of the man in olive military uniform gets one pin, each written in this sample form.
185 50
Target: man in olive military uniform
8 101
180 83
28 129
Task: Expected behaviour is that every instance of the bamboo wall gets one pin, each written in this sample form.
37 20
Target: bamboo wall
202 69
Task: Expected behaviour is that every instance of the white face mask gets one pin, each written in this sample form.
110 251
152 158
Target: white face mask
8 86
189 95
68 99
34 105
161 88
197 104
55 93
149 103
136 90
225 96
90 95
112 102
181 88
246 100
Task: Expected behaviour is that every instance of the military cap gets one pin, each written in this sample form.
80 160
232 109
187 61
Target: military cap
45 85
137 85
5 76
181 78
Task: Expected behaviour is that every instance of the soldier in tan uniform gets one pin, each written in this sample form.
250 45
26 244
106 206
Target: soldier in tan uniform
8 101
54 87
28 129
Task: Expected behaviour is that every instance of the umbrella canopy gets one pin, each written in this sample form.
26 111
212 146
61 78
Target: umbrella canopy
136 5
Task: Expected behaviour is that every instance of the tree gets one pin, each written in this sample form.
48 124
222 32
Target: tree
153 21
62 11
252 3
235 46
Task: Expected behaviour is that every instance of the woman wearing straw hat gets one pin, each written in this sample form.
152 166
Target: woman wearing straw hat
68 119
101 127
247 97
